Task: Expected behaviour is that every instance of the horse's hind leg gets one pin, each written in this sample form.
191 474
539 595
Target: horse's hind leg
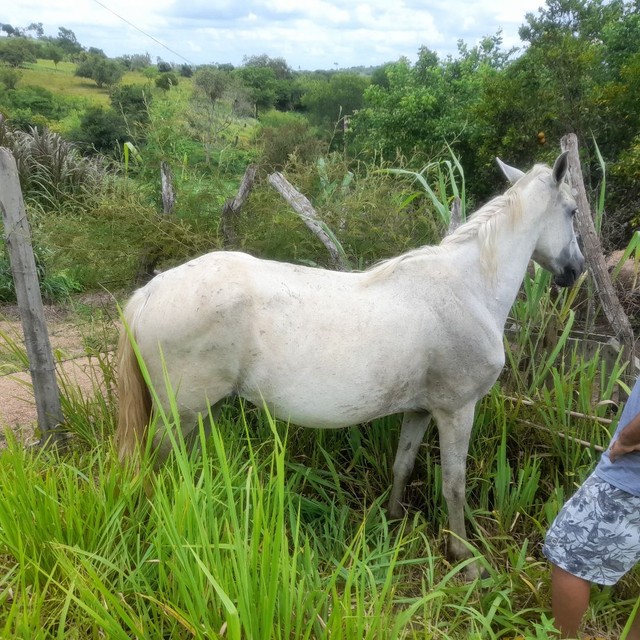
192 438
454 430
187 420
413 427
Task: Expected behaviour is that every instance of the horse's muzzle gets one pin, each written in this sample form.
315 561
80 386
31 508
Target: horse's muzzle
570 273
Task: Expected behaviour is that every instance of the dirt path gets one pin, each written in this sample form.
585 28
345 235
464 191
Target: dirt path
17 404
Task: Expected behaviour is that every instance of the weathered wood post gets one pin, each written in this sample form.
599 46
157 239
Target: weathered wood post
168 192
595 258
17 238
301 205
232 207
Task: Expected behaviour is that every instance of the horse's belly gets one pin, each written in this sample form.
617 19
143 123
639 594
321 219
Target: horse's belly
319 417
321 403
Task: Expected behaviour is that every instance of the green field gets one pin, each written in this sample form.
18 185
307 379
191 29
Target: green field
61 80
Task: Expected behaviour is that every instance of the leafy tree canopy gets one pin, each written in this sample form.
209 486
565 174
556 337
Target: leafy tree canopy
17 51
102 70
329 100
279 66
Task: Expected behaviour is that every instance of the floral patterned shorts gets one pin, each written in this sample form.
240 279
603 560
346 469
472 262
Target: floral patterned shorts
596 535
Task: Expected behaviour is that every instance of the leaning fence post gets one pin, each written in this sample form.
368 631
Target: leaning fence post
301 205
17 237
595 259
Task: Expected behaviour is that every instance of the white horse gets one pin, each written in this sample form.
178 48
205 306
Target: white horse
420 334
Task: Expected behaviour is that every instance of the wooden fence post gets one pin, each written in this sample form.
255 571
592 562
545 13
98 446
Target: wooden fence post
301 205
23 267
595 259
168 192
232 206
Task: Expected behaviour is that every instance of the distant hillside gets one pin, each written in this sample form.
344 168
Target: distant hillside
61 80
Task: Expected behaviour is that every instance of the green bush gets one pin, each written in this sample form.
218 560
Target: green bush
102 129
52 171
25 119
166 80
373 215
132 101
283 135
9 77
120 240
38 101
54 285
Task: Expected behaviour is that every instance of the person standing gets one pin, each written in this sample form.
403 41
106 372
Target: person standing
596 536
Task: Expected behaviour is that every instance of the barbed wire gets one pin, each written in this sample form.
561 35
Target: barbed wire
162 44
57 362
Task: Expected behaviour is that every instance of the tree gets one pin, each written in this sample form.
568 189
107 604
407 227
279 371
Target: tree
37 28
402 118
212 82
68 42
103 71
17 51
209 116
421 110
379 76
67 35
132 102
53 53
621 37
103 129
135 62
281 70
567 59
270 81
108 73
327 101
10 30
261 84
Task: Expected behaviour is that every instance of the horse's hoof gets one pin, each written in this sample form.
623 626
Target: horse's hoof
472 573
395 512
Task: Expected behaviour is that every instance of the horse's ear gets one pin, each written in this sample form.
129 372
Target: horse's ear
511 173
560 167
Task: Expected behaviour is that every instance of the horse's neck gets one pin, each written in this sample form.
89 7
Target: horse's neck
499 286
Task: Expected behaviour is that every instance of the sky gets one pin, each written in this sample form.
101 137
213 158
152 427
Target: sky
308 34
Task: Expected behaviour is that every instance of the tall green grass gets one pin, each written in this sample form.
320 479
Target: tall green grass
271 531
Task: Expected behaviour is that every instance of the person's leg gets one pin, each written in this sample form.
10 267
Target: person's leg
569 600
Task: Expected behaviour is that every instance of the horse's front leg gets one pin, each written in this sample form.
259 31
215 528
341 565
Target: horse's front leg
413 427
454 431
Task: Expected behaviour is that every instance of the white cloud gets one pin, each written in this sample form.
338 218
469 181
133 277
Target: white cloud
309 35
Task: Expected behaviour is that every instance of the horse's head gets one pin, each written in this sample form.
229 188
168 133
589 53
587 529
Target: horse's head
557 247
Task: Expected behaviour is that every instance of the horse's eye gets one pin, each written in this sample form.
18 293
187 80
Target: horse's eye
574 213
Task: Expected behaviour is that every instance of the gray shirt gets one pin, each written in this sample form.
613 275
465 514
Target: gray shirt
624 473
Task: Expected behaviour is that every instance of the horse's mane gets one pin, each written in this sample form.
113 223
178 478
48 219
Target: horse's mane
483 224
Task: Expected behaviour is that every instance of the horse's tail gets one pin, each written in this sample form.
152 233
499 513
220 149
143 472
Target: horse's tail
134 400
